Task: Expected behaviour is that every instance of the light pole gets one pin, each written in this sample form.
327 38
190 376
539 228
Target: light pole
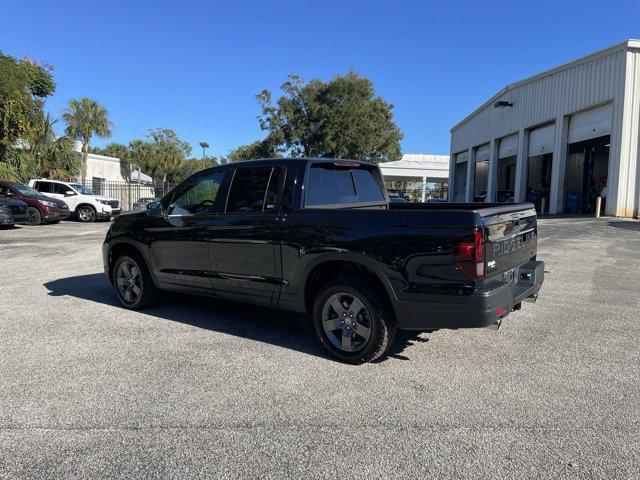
204 146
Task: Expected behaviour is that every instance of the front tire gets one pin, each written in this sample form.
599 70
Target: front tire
34 216
87 214
133 283
352 321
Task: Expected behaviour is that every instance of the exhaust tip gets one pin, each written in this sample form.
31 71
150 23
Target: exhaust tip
495 326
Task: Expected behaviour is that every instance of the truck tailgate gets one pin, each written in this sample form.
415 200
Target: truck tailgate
510 239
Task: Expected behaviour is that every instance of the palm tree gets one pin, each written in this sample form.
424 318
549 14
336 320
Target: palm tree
55 156
42 154
86 117
140 153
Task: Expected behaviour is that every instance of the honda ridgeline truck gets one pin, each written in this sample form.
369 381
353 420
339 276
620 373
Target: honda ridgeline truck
319 236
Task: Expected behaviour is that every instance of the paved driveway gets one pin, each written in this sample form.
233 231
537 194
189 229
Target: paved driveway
203 388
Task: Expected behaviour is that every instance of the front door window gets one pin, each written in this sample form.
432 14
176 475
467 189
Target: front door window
201 196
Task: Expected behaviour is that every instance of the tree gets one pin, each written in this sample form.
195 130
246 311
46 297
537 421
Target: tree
44 154
23 86
140 153
168 153
342 118
266 148
85 118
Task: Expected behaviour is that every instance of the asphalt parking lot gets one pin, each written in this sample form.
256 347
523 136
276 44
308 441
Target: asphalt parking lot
204 388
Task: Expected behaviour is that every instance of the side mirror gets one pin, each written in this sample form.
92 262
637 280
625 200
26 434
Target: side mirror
69 193
9 193
154 209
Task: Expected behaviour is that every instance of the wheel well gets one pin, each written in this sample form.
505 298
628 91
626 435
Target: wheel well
120 249
78 207
329 271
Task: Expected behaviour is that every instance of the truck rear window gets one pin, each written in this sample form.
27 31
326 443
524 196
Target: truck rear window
330 184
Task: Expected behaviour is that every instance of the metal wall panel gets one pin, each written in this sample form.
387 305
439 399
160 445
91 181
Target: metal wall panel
508 146
462 157
541 140
563 92
592 123
482 153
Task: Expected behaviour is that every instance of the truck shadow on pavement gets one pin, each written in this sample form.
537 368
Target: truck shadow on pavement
626 225
285 329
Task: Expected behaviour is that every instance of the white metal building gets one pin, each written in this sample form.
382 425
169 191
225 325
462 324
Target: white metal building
422 168
558 139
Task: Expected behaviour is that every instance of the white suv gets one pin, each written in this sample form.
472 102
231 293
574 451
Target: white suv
87 206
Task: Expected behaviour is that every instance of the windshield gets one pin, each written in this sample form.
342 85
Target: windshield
28 191
82 189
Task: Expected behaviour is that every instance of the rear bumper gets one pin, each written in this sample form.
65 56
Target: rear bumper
485 307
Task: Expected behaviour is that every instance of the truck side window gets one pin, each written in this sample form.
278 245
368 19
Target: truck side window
367 185
328 185
200 196
248 189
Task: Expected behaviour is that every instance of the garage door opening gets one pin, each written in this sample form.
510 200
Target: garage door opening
480 180
586 175
539 181
506 179
460 187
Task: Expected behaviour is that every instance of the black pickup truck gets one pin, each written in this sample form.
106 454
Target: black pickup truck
319 236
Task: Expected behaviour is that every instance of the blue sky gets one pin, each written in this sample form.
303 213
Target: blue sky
195 66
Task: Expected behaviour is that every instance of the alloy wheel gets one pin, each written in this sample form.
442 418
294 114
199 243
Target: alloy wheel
346 322
33 216
86 214
129 281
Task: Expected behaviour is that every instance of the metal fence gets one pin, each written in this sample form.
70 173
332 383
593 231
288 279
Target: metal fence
132 196
412 191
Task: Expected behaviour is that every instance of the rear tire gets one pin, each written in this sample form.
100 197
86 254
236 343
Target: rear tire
35 217
352 321
133 283
87 214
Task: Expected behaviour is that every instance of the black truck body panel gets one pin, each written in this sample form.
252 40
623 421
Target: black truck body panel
269 257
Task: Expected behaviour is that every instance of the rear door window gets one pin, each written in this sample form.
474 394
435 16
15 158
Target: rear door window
330 184
248 189
60 188
43 187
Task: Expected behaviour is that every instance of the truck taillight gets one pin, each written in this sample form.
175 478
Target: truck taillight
468 253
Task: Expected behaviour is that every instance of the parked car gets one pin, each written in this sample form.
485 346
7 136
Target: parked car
142 203
12 212
40 209
319 236
396 196
83 203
